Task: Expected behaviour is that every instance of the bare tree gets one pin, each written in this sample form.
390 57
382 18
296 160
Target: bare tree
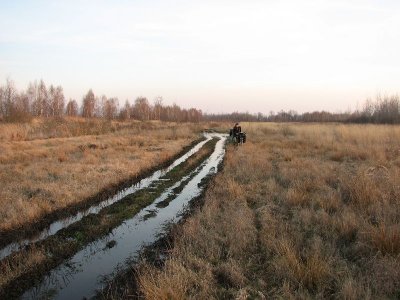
31 93
43 99
20 108
125 112
99 107
176 112
14 106
72 108
110 108
141 109
56 100
21 103
8 94
51 95
194 115
157 107
40 103
387 110
88 105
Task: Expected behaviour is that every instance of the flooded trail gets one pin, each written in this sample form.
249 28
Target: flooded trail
94 209
80 277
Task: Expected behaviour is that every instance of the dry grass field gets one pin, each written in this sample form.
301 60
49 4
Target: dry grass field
48 165
298 212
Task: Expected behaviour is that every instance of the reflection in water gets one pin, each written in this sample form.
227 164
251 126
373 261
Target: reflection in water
80 276
60 224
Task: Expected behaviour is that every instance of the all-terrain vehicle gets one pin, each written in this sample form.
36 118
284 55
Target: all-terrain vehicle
237 138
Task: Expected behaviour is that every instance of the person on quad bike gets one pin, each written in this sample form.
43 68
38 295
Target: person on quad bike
237 136
236 130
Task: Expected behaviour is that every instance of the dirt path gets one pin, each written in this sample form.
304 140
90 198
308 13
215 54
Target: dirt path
97 243
27 237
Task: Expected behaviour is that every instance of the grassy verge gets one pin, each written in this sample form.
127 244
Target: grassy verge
21 270
298 212
46 179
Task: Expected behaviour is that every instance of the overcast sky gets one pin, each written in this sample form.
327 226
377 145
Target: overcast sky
219 56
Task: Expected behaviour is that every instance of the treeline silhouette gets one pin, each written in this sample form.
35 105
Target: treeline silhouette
382 110
42 101
38 100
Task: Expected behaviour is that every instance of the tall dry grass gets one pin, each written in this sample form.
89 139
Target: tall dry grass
57 127
299 212
42 170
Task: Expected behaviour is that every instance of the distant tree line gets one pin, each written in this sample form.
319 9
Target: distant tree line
282 116
38 100
382 110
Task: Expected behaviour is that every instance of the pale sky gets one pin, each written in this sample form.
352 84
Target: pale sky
220 56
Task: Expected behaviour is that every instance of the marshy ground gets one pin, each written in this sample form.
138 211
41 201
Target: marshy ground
25 267
49 167
298 212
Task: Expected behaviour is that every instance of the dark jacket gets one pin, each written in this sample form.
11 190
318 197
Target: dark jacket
237 129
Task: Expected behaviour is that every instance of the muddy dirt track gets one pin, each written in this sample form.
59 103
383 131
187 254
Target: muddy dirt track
83 250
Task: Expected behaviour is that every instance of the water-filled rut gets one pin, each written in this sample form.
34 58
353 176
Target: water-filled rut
135 226
56 226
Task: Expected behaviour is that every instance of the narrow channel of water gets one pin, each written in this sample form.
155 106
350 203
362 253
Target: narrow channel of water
80 276
54 227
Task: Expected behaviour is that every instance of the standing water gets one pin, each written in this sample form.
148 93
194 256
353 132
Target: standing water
56 226
79 277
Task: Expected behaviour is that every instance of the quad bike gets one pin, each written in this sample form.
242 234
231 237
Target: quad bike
239 138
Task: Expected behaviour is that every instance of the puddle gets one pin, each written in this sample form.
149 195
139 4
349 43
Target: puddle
80 277
65 222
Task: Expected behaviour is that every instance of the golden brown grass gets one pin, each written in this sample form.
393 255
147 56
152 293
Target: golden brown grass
44 128
40 175
21 262
298 212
